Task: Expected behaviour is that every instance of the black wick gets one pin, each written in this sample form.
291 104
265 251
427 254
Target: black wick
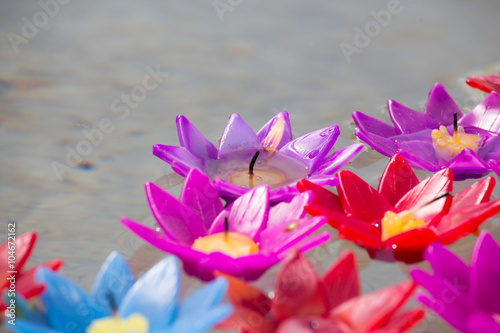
455 122
226 227
437 198
252 163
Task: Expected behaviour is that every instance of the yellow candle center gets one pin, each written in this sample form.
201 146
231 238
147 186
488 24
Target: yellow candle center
232 244
271 176
447 146
395 223
136 323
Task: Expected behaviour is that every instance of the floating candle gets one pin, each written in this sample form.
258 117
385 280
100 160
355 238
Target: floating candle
232 244
395 223
447 146
136 323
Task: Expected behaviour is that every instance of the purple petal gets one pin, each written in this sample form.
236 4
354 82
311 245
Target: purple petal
284 235
381 144
448 266
162 242
467 162
176 219
372 125
440 106
407 120
419 154
193 140
283 193
287 134
182 157
201 197
311 148
324 180
249 212
236 136
289 211
338 159
486 115
227 190
485 274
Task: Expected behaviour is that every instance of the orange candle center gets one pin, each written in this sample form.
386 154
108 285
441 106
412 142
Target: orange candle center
396 223
447 146
232 244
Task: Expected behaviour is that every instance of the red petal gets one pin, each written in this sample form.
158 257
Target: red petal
397 179
247 321
464 221
23 246
403 322
27 285
359 199
297 289
322 197
372 311
430 188
244 295
341 280
475 194
415 240
486 83
308 324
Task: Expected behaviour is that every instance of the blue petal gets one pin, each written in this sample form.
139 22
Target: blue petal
201 323
24 311
24 326
202 300
114 279
67 304
155 295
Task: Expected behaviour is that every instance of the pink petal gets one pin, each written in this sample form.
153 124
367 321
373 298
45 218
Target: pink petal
397 179
322 197
236 136
403 322
461 222
311 148
249 212
359 199
287 134
341 280
372 311
201 197
193 140
297 290
440 106
407 120
475 194
485 115
289 211
247 321
23 245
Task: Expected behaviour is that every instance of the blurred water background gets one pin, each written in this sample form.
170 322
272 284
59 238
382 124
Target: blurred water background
64 73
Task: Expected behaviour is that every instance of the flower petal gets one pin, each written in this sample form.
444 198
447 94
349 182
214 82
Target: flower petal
193 140
201 197
176 219
440 106
248 214
322 197
287 133
242 294
297 290
415 240
378 143
372 125
307 324
311 148
467 164
334 162
419 155
464 221
407 120
237 135
486 83
201 323
341 280
114 279
26 284
397 179
183 159
228 191
480 322
155 295
369 312
403 322
485 273
473 195
25 326
289 211
485 115
248 321
23 246
65 302
359 199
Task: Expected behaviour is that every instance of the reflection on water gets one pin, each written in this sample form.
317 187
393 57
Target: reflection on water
58 106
